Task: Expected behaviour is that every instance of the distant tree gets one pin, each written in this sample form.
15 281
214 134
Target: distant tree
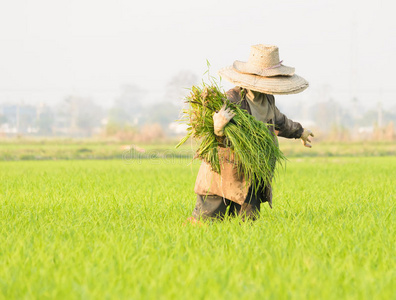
78 116
392 110
26 118
168 111
127 108
45 120
330 114
89 115
162 113
370 118
3 119
178 86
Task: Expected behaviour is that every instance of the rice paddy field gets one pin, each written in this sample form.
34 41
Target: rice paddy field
115 229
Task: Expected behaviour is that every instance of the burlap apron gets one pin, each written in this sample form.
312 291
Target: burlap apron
229 184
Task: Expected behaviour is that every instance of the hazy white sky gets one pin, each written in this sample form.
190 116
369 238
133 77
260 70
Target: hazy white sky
52 48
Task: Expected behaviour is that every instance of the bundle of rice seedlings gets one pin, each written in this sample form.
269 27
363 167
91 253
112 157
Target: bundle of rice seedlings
254 147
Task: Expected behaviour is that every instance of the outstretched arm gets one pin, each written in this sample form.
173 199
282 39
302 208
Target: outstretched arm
286 127
289 129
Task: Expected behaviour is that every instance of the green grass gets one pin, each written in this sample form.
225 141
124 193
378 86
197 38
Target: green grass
69 149
107 229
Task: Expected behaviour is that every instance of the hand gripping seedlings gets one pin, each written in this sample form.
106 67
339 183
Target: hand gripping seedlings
221 118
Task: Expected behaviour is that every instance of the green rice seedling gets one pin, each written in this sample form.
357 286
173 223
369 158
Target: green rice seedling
254 146
107 229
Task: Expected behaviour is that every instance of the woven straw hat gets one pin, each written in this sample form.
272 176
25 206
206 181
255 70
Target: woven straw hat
263 72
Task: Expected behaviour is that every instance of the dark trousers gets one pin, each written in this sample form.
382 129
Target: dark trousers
217 207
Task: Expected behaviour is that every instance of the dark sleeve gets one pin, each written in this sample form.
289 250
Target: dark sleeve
234 95
286 127
237 96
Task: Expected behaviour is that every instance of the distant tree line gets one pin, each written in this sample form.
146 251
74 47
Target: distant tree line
77 116
130 117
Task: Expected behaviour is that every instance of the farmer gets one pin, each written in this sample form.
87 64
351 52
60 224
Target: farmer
256 80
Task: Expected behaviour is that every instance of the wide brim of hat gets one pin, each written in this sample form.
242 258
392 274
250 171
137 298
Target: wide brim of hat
244 67
278 85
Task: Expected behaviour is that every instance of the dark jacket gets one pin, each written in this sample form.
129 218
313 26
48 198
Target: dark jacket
285 127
